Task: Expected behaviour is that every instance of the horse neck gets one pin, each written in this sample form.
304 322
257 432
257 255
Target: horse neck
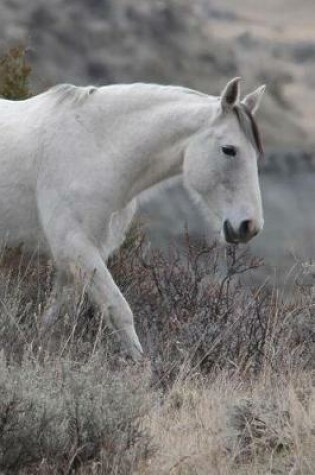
166 127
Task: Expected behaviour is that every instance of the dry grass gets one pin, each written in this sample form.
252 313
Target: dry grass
227 387
231 427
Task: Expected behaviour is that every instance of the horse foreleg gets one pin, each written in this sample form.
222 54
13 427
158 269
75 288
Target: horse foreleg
76 255
105 293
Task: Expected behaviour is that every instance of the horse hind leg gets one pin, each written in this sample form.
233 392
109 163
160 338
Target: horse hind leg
58 299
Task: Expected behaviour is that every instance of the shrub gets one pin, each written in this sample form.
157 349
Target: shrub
15 74
193 316
57 417
66 405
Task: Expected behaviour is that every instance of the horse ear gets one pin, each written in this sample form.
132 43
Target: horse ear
230 94
252 100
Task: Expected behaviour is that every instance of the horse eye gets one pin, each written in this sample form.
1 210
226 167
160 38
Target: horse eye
229 150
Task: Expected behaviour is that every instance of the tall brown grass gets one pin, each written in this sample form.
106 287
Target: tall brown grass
226 387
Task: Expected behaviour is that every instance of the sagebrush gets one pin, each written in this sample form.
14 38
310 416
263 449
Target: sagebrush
15 73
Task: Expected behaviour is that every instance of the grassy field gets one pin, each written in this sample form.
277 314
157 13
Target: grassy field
227 385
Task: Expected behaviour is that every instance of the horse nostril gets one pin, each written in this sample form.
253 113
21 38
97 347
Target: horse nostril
229 233
246 229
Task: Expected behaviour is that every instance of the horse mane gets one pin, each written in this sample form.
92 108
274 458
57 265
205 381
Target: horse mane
70 93
65 93
249 126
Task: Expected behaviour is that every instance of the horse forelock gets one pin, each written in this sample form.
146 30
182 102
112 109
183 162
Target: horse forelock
249 126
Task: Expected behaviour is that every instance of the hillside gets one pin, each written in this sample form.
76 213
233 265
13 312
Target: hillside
197 44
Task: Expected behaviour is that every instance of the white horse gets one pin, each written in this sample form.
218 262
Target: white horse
73 160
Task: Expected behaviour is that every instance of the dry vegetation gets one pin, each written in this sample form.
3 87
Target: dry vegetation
14 74
227 386
226 426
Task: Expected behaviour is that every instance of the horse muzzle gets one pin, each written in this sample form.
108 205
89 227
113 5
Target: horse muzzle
246 231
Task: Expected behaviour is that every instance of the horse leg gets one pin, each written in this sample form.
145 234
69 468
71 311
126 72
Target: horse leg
76 255
57 298
105 293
